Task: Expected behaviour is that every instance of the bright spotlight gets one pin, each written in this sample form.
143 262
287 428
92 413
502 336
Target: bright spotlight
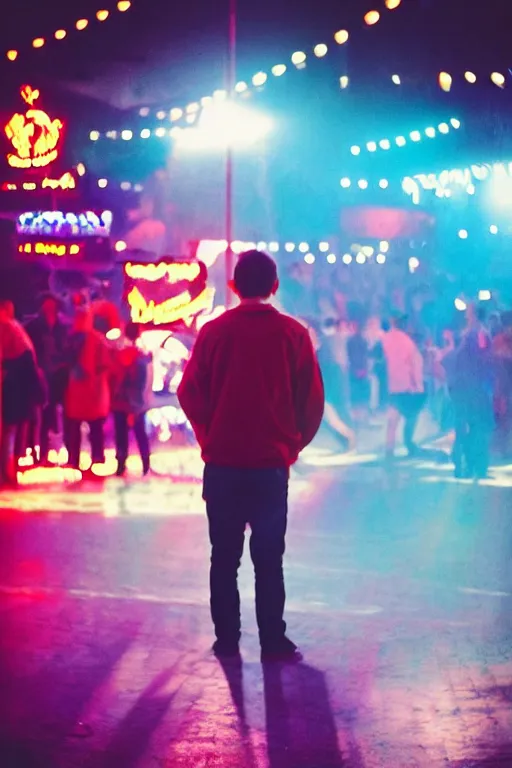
383 246
455 123
463 234
470 77
498 79
299 57
460 305
145 133
345 182
94 135
385 144
445 81
120 246
341 36
320 50
303 247
347 258
324 247
360 258
413 264
355 150
400 141
493 229
371 146
362 184
289 247
396 80
371 18
331 258
381 258
444 128
383 183
484 295
415 136
127 135
309 258
225 123
430 132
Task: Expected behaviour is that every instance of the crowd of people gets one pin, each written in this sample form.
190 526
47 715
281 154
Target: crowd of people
385 355
57 371
387 350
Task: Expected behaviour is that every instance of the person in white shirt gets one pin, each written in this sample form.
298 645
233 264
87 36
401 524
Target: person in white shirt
405 384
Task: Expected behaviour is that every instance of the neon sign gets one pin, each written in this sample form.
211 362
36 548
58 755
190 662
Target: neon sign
50 249
65 182
61 224
170 311
34 136
168 292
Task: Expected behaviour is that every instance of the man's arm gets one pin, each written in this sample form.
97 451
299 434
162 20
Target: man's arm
194 391
309 392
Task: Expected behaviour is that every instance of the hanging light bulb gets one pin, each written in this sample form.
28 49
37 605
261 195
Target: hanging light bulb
278 70
38 42
81 24
259 79
498 79
445 81
320 50
344 82
102 15
123 5
371 18
299 57
60 34
341 36
470 77
392 4
12 55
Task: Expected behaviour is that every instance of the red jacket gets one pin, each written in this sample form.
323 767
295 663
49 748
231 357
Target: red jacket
252 389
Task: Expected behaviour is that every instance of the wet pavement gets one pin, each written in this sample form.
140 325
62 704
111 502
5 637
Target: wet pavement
399 594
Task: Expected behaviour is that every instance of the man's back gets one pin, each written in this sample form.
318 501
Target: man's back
252 389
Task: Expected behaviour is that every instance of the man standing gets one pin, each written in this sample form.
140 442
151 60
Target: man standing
405 384
253 392
49 336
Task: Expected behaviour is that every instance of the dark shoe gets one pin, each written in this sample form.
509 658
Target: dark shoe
121 469
284 652
226 650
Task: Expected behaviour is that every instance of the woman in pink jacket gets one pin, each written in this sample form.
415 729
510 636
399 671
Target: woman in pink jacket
87 395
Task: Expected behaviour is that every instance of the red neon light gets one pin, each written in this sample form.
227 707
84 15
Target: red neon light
169 311
34 148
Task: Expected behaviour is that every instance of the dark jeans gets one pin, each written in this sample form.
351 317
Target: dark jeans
121 428
73 441
473 429
235 497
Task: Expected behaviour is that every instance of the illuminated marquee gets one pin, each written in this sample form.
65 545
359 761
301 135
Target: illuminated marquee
65 182
34 136
167 293
50 249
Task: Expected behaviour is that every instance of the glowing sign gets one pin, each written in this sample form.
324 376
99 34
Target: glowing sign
34 135
60 224
170 311
167 292
174 272
66 181
50 249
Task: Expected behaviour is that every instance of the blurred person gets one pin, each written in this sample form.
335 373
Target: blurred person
337 410
502 349
405 384
131 373
49 336
23 391
87 396
470 378
253 392
359 370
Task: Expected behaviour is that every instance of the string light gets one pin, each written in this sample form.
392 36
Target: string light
470 77
320 50
12 55
81 24
341 36
260 78
123 5
278 70
60 34
392 4
299 57
498 79
102 15
371 18
445 81
344 82
38 42
396 79
355 150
